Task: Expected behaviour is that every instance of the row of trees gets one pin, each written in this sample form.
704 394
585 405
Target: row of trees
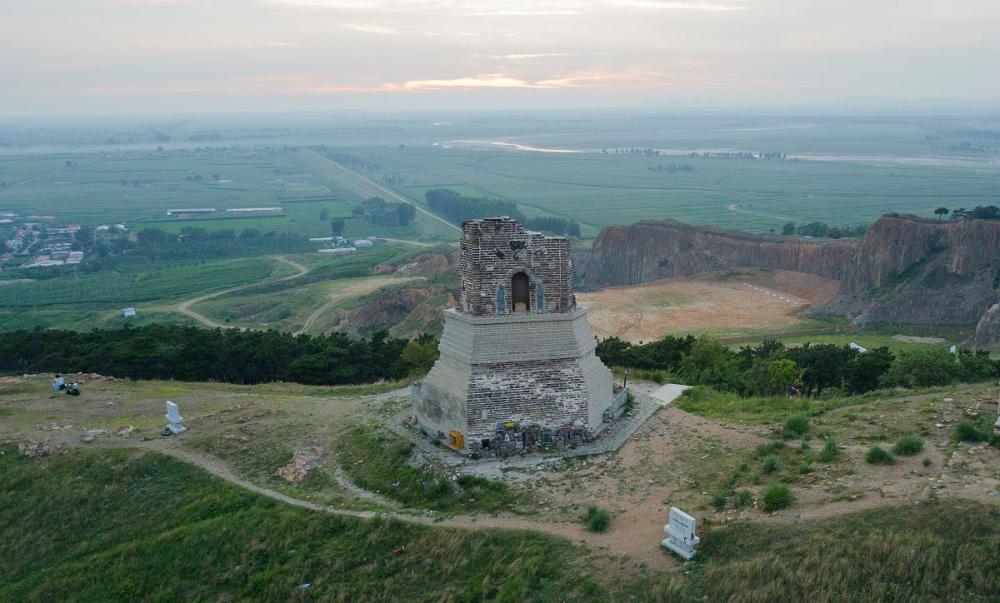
979 212
820 229
771 368
459 208
233 356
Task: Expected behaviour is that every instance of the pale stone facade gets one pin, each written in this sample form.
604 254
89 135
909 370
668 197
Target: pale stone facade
517 368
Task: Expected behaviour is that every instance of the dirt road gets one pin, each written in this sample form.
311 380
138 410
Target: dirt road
185 306
385 190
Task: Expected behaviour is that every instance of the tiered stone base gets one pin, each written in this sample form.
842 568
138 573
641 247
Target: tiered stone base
514 382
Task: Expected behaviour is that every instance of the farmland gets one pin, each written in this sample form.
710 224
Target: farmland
146 283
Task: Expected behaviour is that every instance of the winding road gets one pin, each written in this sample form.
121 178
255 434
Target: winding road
185 306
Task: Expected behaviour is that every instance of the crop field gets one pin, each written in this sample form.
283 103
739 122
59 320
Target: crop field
600 190
143 283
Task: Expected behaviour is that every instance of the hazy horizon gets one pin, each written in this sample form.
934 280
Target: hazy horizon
249 56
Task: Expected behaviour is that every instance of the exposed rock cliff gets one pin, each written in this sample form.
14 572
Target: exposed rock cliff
987 332
650 250
905 270
911 270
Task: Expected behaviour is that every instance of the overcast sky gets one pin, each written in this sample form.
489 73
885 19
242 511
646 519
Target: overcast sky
73 56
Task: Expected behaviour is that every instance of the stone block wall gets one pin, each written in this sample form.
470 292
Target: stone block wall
495 249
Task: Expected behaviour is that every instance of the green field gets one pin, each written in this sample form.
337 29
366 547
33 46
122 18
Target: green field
136 284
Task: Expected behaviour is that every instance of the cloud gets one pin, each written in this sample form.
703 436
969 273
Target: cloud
517 8
528 56
371 28
478 81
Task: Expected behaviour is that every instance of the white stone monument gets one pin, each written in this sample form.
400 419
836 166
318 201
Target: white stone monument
175 424
681 537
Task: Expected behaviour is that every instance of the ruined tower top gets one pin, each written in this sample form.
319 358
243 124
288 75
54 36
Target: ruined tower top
507 269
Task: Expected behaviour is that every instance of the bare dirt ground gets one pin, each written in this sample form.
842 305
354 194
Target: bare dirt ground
730 304
246 434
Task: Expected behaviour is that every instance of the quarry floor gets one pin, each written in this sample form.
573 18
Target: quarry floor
734 304
676 458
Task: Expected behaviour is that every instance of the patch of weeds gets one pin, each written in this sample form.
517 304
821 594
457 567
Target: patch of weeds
597 519
743 498
927 461
796 425
908 445
719 502
879 456
769 449
829 452
967 432
770 464
379 463
775 497
805 468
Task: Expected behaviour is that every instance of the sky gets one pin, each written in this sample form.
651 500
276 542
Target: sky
175 56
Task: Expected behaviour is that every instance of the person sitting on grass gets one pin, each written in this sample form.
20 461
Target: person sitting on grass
58 384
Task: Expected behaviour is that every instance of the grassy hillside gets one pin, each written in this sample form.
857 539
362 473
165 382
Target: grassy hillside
123 524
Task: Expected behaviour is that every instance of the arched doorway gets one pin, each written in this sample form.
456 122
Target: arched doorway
521 291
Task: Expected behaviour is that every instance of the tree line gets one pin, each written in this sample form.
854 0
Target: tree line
384 213
232 356
459 208
822 230
771 368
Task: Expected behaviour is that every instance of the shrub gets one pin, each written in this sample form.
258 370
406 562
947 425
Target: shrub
967 432
776 496
927 461
879 456
796 425
743 498
719 502
908 445
597 519
770 463
829 452
805 468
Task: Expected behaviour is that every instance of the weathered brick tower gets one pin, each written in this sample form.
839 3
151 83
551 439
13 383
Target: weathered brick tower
517 368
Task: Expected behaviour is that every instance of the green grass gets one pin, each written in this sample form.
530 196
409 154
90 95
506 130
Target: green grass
708 402
137 283
596 519
965 431
879 456
378 462
796 425
776 497
909 445
124 525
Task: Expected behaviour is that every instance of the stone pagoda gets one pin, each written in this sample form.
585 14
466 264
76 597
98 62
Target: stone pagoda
517 369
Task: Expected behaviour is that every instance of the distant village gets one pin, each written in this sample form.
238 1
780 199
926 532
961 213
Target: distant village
35 241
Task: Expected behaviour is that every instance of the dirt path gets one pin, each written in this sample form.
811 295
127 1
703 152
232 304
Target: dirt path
572 532
351 290
185 306
386 190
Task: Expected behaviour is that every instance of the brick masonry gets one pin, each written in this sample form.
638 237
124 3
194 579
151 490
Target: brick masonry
515 374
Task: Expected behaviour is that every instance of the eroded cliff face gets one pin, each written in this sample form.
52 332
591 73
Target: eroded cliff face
650 250
910 270
987 335
905 270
